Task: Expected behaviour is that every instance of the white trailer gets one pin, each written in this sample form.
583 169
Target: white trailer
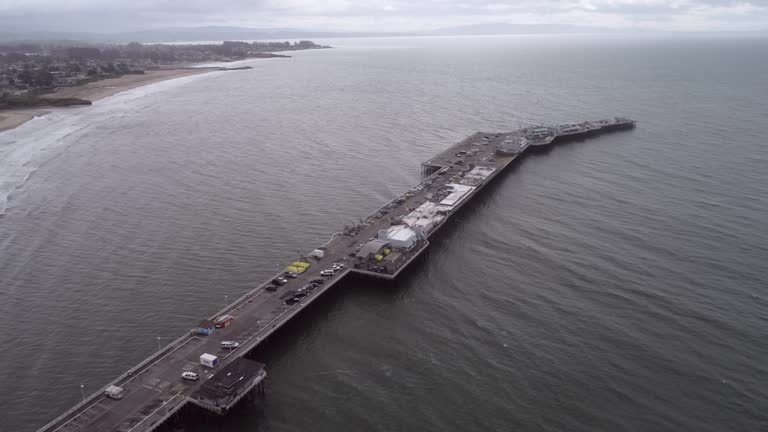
209 360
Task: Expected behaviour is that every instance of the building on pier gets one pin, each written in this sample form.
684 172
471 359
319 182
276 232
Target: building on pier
424 218
512 146
229 385
205 328
457 193
399 236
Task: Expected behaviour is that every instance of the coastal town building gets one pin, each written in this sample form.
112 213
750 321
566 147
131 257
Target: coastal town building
34 68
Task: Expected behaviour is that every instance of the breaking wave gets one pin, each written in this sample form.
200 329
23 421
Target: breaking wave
27 148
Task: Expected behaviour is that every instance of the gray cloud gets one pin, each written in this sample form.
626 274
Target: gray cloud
380 15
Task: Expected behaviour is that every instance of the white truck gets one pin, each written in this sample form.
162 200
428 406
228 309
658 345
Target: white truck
114 392
209 360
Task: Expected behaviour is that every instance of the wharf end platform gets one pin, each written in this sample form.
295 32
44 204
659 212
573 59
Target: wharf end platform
382 246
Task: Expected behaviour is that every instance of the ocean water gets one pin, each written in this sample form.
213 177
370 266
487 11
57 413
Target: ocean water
614 284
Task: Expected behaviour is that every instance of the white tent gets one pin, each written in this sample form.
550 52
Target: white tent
399 236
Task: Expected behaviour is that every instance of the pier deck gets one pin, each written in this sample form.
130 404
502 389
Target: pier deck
154 389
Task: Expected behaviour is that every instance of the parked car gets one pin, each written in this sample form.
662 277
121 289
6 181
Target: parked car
192 376
271 287
327 273
318 281
223 321
280 281
290 275
230 345
338 266
114 392
291 301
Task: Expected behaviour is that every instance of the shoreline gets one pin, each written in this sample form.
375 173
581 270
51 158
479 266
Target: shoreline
94 91
12 119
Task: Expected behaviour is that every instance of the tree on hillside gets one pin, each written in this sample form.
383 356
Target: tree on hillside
43 77
26 76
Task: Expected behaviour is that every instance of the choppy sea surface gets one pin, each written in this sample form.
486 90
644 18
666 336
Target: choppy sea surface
614 284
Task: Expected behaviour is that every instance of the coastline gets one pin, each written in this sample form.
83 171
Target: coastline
93 91
12 119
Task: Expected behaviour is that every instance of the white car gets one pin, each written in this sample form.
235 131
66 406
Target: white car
192 376
230 345
327 273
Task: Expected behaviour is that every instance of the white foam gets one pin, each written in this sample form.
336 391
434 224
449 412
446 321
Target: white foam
25 149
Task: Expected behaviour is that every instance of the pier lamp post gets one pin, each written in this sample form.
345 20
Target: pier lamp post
226 301
82 390
162 337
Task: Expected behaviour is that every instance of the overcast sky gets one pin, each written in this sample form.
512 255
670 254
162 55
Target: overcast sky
381 15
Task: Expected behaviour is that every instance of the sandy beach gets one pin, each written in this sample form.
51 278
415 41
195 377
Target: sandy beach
94 91
11 119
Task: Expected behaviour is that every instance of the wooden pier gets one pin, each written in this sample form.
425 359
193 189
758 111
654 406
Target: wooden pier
383 246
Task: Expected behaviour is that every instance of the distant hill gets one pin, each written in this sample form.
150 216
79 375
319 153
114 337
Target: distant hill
215 34
505 28
188 34
181 34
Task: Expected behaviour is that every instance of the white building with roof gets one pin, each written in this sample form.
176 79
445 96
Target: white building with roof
477 175
400 236
458 194
424 218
